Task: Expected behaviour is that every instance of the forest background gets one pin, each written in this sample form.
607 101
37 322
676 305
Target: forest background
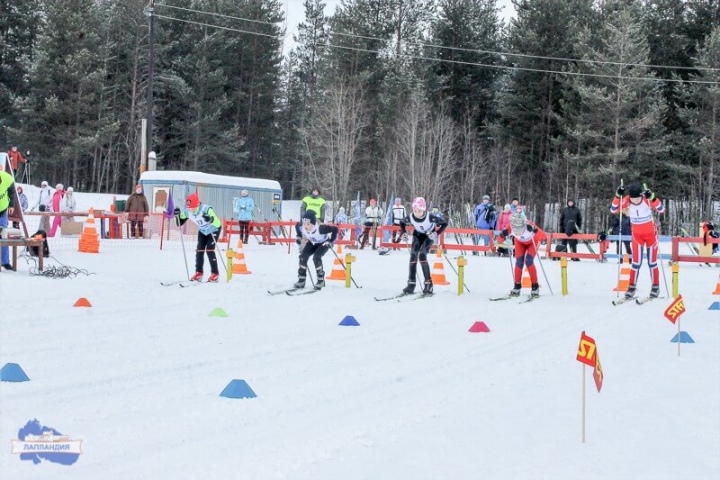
439 98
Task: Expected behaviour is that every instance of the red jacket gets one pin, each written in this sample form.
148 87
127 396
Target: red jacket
15 158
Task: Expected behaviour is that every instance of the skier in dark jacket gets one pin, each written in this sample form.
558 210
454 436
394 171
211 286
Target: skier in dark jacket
571 223
426 229
320 239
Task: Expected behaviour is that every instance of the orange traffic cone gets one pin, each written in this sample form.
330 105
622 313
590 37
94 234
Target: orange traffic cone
338 272
624 280
239 265
438 269
717 287
526 282
89 239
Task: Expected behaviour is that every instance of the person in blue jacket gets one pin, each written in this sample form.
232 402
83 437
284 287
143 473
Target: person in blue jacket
243 208
209 226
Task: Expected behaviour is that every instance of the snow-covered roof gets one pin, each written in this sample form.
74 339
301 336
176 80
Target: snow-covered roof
175 176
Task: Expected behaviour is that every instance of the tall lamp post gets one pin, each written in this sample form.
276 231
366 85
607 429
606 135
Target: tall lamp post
150 11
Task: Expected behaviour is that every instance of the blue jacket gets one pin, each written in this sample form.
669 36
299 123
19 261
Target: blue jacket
243 207
481 223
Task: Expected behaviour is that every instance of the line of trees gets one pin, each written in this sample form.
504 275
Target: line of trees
437 98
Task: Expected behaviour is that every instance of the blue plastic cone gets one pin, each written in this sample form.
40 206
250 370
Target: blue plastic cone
238 389
12 372
683 337
715 306
349 321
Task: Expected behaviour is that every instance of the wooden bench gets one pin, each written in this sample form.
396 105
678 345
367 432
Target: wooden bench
14 243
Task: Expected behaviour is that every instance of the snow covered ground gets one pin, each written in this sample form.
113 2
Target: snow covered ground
408 394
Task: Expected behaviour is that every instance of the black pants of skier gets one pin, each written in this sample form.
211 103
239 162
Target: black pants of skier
421 244
206 244
244 230
316 251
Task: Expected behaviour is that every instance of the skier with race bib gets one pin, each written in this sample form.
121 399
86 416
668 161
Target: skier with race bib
523 234
426 230
320 238
640 203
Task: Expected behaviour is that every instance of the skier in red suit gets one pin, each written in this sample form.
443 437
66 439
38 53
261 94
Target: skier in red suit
640 203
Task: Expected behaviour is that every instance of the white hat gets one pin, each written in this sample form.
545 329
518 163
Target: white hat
69 190
59 186
44 183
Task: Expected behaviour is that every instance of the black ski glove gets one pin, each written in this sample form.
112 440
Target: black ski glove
208 218
504 232
176 212
530 228
298 240
620 191
649 194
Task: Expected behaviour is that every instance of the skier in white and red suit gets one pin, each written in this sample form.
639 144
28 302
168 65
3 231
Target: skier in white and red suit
526 235
640 203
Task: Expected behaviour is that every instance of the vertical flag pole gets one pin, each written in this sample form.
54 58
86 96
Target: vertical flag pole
678 336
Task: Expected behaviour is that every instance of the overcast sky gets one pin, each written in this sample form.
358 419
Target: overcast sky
296 14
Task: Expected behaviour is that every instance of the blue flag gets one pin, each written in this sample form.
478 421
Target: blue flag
170 212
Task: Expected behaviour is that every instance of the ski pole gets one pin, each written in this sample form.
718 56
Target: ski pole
218 249
453 269
344 267
182 242
537 253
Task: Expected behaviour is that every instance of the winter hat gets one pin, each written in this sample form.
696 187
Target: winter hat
486 197
70 190
309 216
59 186
507 207
634 190
341 210
398 200
244 192
192 200
419 204
43 184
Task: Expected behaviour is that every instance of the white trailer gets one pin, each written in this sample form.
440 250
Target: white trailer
218 191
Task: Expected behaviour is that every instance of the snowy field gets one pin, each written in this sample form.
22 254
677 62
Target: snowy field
408 394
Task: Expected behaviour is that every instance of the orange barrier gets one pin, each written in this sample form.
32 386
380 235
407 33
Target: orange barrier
676 257
717 287
624 280
438 270
89 242
239 266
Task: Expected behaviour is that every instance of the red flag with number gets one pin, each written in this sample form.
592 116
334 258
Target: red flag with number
587 351
676 308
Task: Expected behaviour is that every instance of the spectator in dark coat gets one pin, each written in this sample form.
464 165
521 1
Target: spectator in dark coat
137 209
571 223
626 232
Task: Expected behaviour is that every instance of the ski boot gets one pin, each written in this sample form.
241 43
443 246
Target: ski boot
535 290
428 287
197 277
213 278
300 283
655 291
630 293
410 287
515 292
